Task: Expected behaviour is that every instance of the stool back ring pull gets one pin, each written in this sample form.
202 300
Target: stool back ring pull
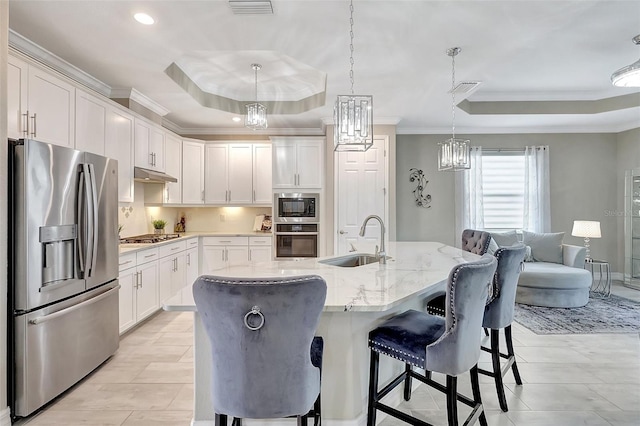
264 354
449 345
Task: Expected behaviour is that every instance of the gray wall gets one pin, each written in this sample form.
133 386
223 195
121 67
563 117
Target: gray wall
583 174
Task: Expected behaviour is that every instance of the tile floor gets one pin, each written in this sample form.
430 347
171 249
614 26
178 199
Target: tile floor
568 380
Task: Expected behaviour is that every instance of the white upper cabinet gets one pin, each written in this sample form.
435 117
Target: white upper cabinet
216 183
237 174
192 172
262 169
119 145
298 162
40 105
17 75
91 123
240 174
149 146
173 167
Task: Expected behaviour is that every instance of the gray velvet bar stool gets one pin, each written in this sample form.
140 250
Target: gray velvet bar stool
449 345
263 346
473 241
498 315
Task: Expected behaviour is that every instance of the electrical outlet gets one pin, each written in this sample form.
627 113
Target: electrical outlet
223 218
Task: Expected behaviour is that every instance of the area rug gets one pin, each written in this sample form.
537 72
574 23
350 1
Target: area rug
601 315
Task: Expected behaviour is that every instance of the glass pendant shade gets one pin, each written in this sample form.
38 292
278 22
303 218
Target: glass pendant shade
256 117
628 76
453 155
353 123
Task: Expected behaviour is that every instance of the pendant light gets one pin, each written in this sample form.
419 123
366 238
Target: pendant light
353 114
628 76
256 118
453 154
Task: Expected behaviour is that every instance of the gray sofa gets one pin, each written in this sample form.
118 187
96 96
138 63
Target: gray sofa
556 285
553 274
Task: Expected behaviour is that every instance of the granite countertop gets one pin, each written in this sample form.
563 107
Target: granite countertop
415 268
132 247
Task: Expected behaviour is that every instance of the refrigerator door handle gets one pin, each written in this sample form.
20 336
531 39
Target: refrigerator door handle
83 222
95 219
45 318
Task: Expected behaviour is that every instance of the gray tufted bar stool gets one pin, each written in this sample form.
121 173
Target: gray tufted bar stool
266 360
473 241
449 345
499 315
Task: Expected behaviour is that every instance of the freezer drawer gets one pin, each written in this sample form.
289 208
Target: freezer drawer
57 346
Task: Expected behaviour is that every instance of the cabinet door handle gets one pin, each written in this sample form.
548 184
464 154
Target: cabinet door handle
167 193
202 196
254 195
249 255
25 127
151 158
223 254
175 265
226 255
34 125
188 259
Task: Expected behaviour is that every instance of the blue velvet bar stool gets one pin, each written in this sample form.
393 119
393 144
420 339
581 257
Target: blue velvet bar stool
449 345
498 315
473 241
263 346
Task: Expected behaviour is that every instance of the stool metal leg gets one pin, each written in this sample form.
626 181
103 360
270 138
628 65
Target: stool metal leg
302 420
475 388
373 388
407 382
236 422
497 370
452 400
511 354
317 418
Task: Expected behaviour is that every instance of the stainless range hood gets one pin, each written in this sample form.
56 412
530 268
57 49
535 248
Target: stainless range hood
151 176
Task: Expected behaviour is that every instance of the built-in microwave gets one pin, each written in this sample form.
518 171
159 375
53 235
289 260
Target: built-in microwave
296 207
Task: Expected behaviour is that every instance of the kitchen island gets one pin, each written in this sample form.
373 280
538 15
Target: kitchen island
358 298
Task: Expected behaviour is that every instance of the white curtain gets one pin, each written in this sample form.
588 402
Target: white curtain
537 205
470 211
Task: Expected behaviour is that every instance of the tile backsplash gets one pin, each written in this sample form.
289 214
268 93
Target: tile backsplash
136 217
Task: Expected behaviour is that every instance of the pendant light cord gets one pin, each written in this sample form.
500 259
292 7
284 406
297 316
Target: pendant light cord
453 95
256 73
351 45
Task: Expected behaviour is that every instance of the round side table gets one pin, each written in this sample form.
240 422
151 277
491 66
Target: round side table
602 281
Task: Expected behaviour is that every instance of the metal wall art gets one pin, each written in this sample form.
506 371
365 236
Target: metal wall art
422 199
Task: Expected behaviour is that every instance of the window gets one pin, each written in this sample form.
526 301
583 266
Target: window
503 177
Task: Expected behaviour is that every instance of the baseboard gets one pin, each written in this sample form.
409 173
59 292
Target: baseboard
617 276
5 417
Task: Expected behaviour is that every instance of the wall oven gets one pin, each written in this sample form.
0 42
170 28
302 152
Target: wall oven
296 240
296 207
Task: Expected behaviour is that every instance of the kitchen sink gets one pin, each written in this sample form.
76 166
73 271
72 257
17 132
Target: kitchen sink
351 260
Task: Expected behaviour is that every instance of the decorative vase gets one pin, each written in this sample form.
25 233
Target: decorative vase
158 231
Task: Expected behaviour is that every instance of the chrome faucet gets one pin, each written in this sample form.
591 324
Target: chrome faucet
382 255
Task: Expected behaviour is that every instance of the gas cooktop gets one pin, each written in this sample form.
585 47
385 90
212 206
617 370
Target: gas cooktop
148 238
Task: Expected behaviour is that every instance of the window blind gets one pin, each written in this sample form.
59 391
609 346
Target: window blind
503 190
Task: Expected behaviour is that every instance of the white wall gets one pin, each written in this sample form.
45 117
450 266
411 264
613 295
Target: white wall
4 43
583 173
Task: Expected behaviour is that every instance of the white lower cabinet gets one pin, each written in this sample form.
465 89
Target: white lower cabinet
147 292
260 249
127 298
192 271
172 266
138 279
218 252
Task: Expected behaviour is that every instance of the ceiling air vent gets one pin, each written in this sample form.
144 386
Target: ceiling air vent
251 7
465 87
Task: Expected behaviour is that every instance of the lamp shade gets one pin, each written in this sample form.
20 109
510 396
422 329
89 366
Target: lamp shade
586 229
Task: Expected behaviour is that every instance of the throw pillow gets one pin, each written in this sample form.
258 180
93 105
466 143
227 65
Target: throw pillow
505 239
544 247
528 257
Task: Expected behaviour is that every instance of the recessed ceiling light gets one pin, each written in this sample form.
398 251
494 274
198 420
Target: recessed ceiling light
236 119
143 18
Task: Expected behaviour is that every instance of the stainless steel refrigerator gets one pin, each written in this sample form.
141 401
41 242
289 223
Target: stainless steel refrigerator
63 290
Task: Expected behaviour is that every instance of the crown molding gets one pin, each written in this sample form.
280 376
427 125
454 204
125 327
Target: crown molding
139 98
42 55
377 121
575 95
309 131
617 128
